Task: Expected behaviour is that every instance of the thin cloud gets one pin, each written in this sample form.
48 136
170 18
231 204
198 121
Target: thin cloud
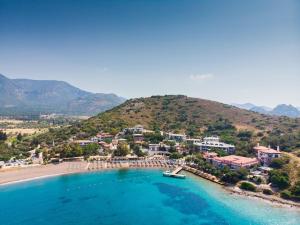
201 77
103 70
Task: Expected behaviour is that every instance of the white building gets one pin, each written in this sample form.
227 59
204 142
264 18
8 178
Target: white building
136 129
193 140
210 143
211 139
83 142
158 149
154 147
176 137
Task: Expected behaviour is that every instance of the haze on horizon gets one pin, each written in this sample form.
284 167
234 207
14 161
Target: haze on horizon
228 51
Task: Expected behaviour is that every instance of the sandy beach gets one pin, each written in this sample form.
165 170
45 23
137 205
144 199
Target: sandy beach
15 175
21 174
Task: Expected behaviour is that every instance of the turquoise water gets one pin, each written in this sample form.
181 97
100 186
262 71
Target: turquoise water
121 197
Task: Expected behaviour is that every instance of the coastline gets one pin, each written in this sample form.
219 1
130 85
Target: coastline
272 199
20 175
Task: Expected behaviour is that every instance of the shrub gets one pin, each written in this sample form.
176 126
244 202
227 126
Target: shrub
248 186
279 179
267 192
231 177
259 180
295 190
285 194
175 155
3 136
279 163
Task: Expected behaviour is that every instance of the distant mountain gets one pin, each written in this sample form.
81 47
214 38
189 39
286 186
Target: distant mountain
246 106
260 109
280 110
286 110
24 96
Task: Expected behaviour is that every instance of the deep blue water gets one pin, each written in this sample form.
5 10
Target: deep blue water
121 197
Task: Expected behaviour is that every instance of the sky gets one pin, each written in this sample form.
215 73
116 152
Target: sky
232 51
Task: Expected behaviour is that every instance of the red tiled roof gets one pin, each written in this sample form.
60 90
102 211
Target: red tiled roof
209 155
236 160
266 150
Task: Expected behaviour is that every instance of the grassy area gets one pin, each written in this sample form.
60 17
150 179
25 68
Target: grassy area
293 168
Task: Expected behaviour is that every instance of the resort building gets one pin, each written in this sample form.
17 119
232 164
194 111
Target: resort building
108 146
266 154
193 141
154 147
136 129
104 136
208 156
159 149
234 162
83 142
210 143
138 138
176 137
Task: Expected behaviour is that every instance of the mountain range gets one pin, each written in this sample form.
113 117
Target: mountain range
279 110
24 96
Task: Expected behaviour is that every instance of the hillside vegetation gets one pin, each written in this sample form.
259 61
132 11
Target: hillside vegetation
193 116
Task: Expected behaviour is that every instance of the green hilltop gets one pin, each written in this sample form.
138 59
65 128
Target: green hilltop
195 117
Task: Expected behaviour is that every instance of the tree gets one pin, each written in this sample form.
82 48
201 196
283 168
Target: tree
35 142
153 138
175 155
231 177
243 173
71 150
279 163
19 137
295 190
245 135
279 179
3 136
90 149
137 150
122 150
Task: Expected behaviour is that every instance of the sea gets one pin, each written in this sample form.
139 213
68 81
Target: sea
133 197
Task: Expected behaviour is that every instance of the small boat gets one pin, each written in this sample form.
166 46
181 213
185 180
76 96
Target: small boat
170 174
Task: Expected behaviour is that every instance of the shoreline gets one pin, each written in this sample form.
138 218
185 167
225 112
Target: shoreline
20 175
33 178
69 168
272 199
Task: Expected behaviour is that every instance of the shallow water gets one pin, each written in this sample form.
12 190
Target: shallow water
121 197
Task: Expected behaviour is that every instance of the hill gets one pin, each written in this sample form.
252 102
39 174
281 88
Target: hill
190 115
286 110
23 96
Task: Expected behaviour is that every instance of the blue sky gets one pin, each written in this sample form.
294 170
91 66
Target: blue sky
229 51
